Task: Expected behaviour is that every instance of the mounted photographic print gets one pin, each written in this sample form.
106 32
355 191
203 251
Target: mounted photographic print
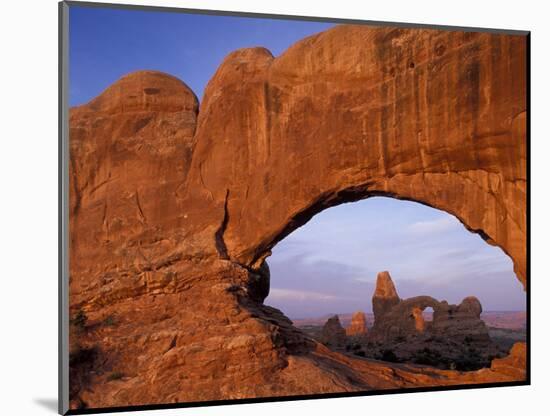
265 207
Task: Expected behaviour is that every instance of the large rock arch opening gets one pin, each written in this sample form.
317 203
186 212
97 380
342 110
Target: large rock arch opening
338 253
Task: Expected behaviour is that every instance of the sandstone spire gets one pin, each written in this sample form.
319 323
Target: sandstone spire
358 324
385 296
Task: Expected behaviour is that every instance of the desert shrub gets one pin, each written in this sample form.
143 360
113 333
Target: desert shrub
354 346
80 356
83 359
472 361
427 356
115 375
467 364
79 320
109 321
233 288
389 355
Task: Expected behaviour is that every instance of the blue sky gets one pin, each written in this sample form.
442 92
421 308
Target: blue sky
106 44
330 264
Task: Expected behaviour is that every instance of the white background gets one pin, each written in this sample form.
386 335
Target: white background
28 208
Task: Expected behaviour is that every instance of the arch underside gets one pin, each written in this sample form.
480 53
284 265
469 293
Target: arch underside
332 199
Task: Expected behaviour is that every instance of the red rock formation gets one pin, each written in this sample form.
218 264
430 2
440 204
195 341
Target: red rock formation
385 296
460 334
514 364
130 150
382 95
173 216
418 316
333 334
358 325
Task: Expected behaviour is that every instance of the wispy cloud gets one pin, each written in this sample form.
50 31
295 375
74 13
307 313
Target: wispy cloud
276 294
434 226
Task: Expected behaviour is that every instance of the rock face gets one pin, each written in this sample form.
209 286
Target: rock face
333 334
513 363
358 325
130 151
456 335
174 210
385 295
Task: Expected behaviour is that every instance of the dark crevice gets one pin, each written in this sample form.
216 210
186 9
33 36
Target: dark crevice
140 210
220 243
267 107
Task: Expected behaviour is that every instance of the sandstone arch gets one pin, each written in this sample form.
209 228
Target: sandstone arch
433 117
174 208
395 317
456 335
